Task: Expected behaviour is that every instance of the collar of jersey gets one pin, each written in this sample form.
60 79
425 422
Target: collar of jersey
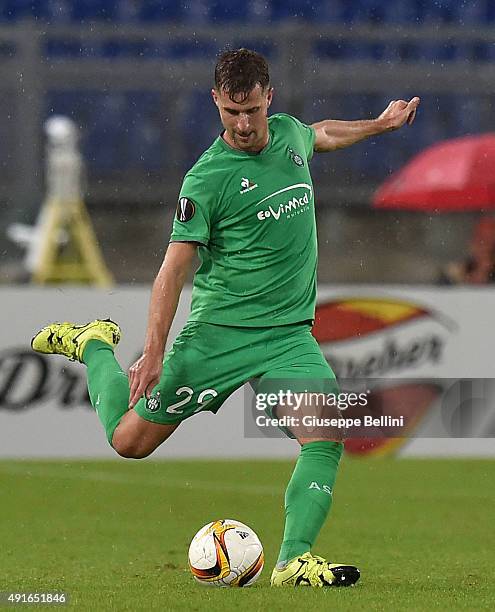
227 147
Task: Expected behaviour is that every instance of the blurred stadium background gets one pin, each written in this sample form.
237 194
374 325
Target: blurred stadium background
135 77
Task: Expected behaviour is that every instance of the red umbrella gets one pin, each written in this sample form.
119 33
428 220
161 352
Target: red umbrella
453 175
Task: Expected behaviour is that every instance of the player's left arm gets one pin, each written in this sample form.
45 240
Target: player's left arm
333 134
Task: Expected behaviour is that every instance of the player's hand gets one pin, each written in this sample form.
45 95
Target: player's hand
144 374
397 113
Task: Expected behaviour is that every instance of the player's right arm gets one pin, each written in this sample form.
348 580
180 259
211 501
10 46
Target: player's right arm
191 227
145 373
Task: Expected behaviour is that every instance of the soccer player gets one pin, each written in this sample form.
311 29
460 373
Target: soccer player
247 208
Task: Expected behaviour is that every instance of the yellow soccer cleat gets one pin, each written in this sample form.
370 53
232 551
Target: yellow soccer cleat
310 570
69 339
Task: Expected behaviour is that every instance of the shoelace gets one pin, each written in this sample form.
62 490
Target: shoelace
315 572
60 337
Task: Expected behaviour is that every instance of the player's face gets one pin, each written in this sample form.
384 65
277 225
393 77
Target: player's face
245 121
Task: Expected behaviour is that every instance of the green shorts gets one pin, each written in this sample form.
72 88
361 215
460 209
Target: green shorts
208 362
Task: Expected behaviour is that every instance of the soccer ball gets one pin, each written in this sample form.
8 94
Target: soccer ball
226 553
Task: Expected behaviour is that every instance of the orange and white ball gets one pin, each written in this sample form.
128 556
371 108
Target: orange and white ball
226 553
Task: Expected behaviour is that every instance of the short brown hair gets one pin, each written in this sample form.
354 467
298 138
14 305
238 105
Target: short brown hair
239 71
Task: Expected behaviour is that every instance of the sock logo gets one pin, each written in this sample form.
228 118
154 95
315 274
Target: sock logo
324 488
154 402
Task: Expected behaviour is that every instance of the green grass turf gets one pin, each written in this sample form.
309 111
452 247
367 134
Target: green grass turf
114 535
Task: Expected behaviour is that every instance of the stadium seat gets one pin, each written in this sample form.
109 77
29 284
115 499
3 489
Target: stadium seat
403 12
12 10
64 103
328 12
94 10
50 11
331 49
146 144
119 48
107 134
435 119
161 10
259 11
437 51
471 13
485 51
56 11
192 49
364 12
289 9
199 125
59 48
99 118
119 131
127 12
220 11
469 111
442 11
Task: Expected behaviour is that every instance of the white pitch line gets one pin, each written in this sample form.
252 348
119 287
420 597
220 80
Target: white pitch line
166 482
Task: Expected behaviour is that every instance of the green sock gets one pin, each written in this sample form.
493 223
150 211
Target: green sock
107 384
309 496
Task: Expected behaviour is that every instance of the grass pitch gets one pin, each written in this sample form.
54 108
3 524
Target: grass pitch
114 535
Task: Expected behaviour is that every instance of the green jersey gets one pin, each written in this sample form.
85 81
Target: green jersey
253 215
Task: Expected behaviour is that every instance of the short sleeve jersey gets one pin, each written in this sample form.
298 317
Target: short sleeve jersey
253 215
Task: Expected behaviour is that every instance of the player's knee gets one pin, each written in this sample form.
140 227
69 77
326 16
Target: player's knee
132 453
129 449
